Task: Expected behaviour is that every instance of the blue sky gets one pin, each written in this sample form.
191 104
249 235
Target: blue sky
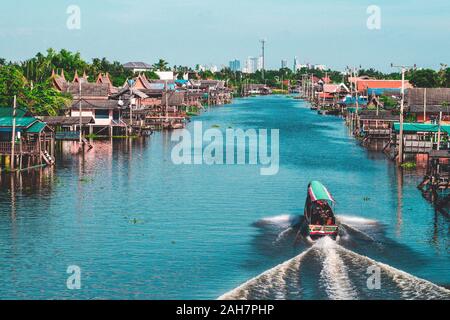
187 32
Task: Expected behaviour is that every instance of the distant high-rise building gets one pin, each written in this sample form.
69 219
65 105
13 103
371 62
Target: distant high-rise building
249 65
235 65
253 64
297 65
284 64
259 63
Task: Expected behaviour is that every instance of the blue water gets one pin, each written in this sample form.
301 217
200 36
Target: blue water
140 227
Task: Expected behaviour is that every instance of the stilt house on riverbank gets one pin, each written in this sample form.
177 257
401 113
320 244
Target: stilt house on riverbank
91 100
140 106
34 140
426 105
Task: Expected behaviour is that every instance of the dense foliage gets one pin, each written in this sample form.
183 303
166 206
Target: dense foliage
39 98
29 80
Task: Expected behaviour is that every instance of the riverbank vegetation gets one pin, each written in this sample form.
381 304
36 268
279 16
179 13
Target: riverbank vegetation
30 81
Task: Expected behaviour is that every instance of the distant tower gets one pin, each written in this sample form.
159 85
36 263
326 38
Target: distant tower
263 48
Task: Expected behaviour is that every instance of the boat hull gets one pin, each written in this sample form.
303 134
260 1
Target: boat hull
316 232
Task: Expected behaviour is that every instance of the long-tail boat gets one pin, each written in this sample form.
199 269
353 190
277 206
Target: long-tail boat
319 220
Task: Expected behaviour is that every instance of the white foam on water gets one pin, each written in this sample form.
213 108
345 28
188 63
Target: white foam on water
411 286
355 220
335 276
334 273
361 233
272 278
281 220
283 234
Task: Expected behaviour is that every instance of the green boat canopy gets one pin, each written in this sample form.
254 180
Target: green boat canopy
317 191
421 127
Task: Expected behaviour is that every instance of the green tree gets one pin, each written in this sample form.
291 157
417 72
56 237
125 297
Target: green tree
39 98
43 99
424 78
12 83
443 76
151 75
161 65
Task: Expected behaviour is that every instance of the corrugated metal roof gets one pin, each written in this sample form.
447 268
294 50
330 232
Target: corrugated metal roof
137 65
421 127
21 122
37 127
384 84
67 121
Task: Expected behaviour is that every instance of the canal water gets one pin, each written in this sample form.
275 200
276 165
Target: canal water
140 227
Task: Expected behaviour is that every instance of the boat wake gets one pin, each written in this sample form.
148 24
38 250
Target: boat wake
328 270
334 274
281 221
261 287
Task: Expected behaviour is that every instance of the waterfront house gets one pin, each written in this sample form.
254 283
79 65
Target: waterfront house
369 86
426 104
34 140
419 139
256 89
376 128
332 93
93 101
66 127
103 78
150 104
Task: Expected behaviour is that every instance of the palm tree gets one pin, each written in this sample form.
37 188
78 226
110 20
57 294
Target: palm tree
161 65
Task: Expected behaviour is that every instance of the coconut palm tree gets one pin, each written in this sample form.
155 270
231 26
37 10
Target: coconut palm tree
161 65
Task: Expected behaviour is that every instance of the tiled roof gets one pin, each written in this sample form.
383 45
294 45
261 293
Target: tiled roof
95 104
384 84
173 98
334 88
67 121
88 89
434 96
137 65
325 95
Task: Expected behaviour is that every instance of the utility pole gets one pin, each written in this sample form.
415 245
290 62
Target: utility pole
80 112
356 91
323 91
131 111
13 134
439 131
424 105
263 48
167 100
402 106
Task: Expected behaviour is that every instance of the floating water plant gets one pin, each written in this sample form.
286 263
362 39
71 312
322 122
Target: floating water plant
409 165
